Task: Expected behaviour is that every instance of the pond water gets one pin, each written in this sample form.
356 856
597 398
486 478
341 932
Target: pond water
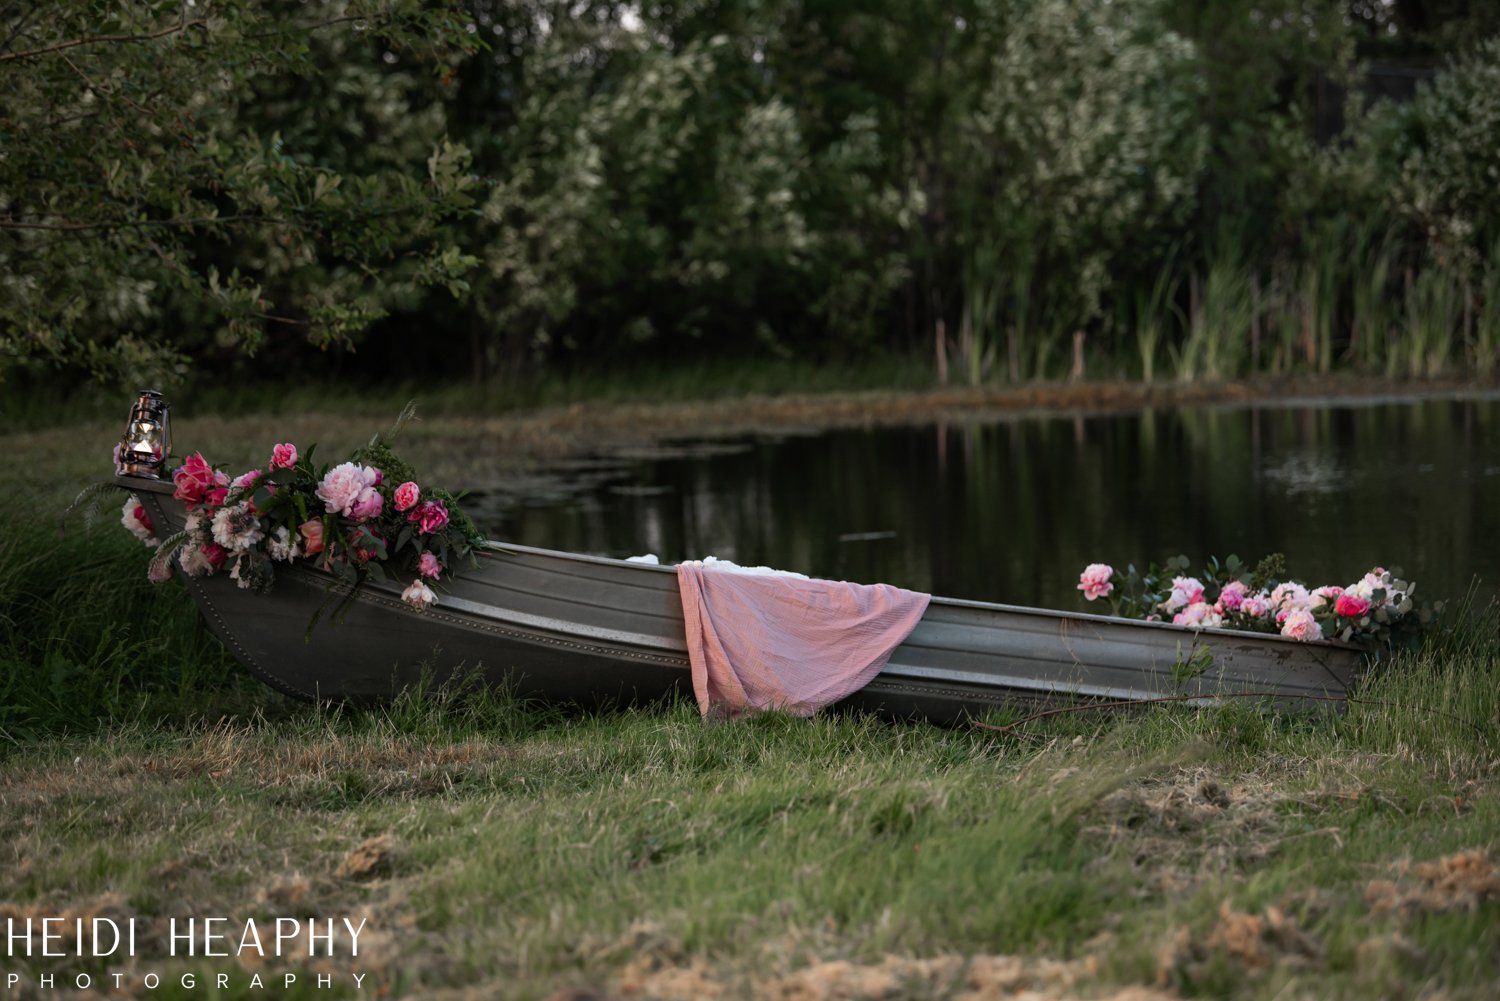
1012 509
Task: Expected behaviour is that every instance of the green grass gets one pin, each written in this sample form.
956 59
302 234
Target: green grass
531 849
686 380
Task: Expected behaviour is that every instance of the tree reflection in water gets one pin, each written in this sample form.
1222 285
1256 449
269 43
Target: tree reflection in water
1010 510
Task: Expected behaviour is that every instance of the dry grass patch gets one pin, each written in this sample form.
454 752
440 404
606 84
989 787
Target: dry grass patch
649 963
1461 881
371 858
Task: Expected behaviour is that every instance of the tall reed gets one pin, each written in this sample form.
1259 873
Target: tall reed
85 639
1155 309
1220 315
1434 302
1373 319
1485 350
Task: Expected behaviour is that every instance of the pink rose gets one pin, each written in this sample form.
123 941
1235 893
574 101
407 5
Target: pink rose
407 495
428 565
1350 606
284 456
418 595
312 537
195 478
1232 597
344 486
430 515
214 553
1095 581
245 480
216 497
1300 625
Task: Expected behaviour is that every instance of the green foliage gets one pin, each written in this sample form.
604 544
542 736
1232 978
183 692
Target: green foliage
182 168
1437 159
590 184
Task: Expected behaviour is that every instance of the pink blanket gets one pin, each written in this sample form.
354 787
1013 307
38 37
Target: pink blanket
763 641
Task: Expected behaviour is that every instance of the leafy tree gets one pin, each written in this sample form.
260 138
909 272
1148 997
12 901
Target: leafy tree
234 166
1435 163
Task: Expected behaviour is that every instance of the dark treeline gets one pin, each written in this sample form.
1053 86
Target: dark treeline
1011 189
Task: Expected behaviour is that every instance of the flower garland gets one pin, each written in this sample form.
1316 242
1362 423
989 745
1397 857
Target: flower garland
1376 610
363 519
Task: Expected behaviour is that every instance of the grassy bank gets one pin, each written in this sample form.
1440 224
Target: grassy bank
506 850
512 851
498 849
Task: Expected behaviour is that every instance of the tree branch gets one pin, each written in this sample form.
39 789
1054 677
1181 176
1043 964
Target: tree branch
6 57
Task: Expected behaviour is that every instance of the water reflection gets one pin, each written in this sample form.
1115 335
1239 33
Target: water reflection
1011 510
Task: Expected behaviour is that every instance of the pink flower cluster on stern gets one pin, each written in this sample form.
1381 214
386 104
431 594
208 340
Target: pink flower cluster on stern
1377 609
351 519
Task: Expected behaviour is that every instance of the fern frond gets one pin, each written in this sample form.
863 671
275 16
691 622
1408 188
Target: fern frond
165 550
90 500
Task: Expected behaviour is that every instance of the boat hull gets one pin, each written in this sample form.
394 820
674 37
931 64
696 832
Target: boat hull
592 631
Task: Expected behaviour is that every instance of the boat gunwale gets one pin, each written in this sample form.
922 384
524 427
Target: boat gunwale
495 549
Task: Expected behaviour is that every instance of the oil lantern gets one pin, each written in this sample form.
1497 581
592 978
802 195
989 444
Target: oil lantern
148 437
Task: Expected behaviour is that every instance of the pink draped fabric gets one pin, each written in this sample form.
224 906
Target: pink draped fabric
763 641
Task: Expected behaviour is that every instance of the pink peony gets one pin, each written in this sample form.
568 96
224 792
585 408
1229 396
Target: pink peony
429 515
312 537
428 565
407 495
284 456
346 485
1299 624
1255 605
1185 591
1095 581
1232 597
1290 596
418 595
1198 615
368 506
1351 606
